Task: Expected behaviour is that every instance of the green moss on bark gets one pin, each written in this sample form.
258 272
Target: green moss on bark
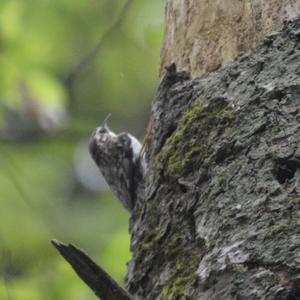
182 259
177 286
183 276
295 200
277 230
188 146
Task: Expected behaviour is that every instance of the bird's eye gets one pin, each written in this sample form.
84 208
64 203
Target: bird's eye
101 130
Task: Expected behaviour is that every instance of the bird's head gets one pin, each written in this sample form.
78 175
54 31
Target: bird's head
102 140
103 133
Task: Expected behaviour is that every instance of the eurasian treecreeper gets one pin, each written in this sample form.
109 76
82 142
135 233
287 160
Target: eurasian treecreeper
121 162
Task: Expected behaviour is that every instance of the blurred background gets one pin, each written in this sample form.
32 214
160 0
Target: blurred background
64 65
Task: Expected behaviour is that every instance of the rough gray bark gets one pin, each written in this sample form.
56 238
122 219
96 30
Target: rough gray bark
221 216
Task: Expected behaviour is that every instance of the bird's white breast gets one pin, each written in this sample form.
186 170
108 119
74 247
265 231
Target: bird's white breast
136 145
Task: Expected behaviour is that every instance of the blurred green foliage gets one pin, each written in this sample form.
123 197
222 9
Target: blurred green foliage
48 109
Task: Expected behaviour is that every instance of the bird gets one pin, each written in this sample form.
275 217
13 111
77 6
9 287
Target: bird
121 162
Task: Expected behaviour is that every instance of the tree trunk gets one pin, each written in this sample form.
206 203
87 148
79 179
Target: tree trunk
203 35
221 215
220 218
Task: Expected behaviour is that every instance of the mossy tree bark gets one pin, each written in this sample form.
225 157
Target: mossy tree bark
220 218
221 215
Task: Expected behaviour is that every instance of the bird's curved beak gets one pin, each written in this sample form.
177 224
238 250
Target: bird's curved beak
105 121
